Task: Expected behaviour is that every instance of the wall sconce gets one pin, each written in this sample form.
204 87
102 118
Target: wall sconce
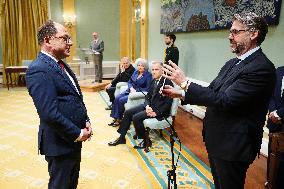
137 14
69 20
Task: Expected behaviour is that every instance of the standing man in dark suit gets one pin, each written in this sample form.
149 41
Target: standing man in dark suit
237 102
275 121
171 52
155 106
126 71
64 122
97 46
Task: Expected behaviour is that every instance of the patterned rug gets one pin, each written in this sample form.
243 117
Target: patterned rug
102 166
191 172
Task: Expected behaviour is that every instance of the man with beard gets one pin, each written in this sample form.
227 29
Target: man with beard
171 52
237 101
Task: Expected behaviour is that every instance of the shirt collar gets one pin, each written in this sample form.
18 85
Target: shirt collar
49 55
247 54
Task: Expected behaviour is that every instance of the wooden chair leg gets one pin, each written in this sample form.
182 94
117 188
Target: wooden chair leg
161 133
147 140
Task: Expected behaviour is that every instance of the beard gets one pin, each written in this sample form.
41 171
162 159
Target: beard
240 47
167 43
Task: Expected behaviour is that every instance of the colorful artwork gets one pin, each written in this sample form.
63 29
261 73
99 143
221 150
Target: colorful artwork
195 15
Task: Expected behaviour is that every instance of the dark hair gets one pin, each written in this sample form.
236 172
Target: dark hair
46 30
171 36
253 22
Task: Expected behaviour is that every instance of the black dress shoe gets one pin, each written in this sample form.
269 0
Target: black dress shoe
118 141
141 145
135 137
108 108
115 124
112 123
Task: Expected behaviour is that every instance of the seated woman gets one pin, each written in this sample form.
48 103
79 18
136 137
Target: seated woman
139 81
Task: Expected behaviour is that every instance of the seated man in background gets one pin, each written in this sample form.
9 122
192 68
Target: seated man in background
155 106
126 71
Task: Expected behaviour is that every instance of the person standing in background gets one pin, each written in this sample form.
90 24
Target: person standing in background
275 122
57 96
97 47
171 52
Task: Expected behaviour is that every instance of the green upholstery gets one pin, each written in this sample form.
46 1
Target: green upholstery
135 99
153 123
120 88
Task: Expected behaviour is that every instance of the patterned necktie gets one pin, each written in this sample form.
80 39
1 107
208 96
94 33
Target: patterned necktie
154 89
61 64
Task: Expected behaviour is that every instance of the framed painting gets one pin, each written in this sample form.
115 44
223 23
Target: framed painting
195 15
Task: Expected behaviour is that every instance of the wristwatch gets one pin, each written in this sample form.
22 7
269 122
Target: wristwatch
184 84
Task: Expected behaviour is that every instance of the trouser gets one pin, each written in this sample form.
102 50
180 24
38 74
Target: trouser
110 91
127 118
64 171
228 174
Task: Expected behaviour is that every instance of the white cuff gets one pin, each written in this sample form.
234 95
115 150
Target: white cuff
80 136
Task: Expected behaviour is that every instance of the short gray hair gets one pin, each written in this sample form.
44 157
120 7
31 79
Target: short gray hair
253 22
143 62
160 63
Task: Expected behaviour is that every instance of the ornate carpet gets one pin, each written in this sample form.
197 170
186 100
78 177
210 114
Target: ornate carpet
102 166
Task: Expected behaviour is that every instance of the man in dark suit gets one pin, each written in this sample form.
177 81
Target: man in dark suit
275 122
97 46
126 71
171 52
64 122
237 101
155 106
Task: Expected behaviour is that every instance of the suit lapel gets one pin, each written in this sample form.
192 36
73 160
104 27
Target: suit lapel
55 66
228 74
159 85
68 69
220 79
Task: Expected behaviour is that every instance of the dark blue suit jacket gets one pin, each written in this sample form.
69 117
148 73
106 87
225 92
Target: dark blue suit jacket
237 104
60 107
277 102
160 104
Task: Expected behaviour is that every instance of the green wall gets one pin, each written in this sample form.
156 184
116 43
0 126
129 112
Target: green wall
102 17
94 15
56 10
202 54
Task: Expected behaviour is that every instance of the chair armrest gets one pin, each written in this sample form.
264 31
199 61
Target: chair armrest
120 88
137 95
120 84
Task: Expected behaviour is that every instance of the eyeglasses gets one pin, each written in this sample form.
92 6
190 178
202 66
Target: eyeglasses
235 32
66 39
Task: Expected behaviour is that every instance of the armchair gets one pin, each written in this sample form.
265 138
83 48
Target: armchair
153 123
135 99
120 88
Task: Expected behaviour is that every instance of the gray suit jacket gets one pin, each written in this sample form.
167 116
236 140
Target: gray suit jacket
99 46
